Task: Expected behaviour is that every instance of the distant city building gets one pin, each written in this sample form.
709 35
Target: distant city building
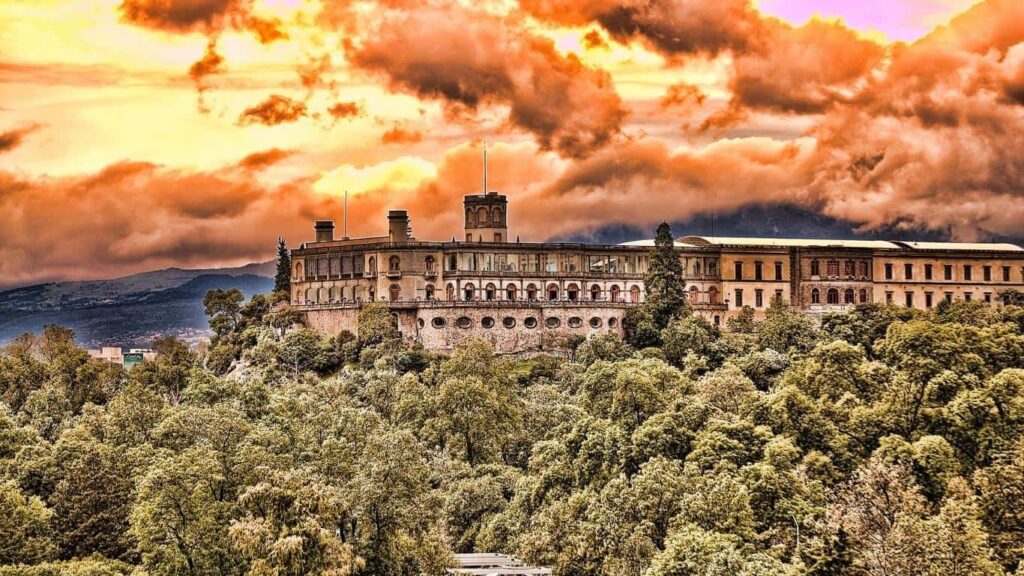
525 296
116 355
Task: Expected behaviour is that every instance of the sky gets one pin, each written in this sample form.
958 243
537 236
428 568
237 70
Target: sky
142 134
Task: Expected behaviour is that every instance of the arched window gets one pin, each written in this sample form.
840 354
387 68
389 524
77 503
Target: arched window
372 294
450 292
634 294
496 216
573 292
490 292
298 269
321 295
713 295
531 292
371 265
595 292
394 264
848 297
552 291
616 293
335 295
694 294
468 292
815 296
394 292
833 296
481 216
428 264
469 218
510 292
429 291
310 296
696 267
863 296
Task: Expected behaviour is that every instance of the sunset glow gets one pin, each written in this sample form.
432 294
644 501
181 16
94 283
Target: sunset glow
194 132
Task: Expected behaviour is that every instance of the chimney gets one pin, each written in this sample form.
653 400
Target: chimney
398 225
324 230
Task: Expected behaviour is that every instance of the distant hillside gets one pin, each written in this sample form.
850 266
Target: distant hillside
129 311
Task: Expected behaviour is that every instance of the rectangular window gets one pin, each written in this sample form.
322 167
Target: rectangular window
778 270
1006 273
928 299
948 271
927 271
778 294
988 297
910 299
888 297
864 269
757 271
758 298
849 268
908 271
739 297
949 296
815 268
833 267
967 271
739 270
968 296
987 273
888 271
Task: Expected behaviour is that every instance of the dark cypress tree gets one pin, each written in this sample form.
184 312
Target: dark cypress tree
666 289
283 276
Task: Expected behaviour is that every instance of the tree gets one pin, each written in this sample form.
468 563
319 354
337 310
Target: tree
290 527
223 308
376 324
744 322
92 499
786 329
300 349
477 416
283 274
666 289
24 527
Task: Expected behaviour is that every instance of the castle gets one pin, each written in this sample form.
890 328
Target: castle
527 296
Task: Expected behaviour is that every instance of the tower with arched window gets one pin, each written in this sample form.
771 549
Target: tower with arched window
486 217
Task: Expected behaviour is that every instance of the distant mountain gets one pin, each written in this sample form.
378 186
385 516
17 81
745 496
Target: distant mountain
769 221
130 311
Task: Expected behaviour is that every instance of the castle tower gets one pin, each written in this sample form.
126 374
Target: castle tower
486 217
486 214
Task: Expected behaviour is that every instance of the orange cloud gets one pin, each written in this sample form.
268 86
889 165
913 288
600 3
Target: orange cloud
13 138
276 109
264 159
399 135
468 59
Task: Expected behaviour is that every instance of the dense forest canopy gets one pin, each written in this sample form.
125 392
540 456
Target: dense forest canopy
880 442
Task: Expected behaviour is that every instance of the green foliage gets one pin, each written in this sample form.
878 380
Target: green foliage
24 530
666 294
283 271
886 442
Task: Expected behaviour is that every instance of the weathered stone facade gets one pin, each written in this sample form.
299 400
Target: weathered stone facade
528 296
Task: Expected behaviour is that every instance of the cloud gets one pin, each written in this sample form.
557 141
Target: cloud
134 216
469 59
670 26
276 109
341 110
264 159
400 135
13 138
209 17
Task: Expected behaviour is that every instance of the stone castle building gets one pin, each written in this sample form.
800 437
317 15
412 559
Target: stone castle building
530 295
